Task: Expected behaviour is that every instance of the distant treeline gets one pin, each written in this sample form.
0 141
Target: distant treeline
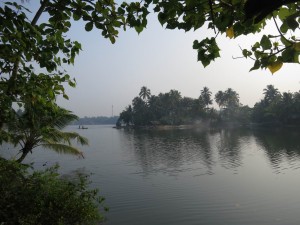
275 108
99 120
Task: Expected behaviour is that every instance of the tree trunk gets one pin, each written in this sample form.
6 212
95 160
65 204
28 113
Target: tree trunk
24 154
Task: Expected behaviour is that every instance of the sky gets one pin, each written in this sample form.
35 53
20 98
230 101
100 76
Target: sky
109 75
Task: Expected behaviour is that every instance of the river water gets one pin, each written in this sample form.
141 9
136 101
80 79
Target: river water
186 177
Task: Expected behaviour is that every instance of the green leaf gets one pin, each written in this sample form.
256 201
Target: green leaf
66 96
246 53
89 26
265 43
72 84
284 27
283 13
112 39
139 29
297 46
88 8
162 17
292 23
285 41
288 55
76 16
256 65
121 11
208 50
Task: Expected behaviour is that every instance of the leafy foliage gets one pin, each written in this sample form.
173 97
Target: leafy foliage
33 54
43 197
235 18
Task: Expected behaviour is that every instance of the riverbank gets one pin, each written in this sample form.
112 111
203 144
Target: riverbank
214 125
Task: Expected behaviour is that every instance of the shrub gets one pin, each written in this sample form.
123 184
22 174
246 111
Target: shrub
43 197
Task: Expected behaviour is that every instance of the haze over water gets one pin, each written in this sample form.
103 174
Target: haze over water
184 177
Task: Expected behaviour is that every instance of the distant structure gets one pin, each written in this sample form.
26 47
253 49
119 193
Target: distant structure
112 111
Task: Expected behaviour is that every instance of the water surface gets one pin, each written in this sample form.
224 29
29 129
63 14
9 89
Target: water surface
185 177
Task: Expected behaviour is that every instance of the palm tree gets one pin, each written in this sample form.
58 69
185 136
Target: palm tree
231 98
140 112
174 98
36 127
270 93
219 98
145 93
206 96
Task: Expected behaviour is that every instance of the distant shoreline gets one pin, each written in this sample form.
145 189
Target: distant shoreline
205 126
99 120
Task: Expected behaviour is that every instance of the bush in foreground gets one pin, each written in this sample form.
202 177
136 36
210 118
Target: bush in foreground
43 197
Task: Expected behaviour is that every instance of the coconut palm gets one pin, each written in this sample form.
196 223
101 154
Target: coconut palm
219 98
206 96
145 93
231 98
42 127
174 97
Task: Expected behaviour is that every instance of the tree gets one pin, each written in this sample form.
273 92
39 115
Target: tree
145 93
186 108
140 113
219 98
32 128
156 107
231 99
33 53
173 102
234 19
287 107
206 96
126 116
270 93
277 108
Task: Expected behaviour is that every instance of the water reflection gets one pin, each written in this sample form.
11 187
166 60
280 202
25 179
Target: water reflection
230 146
177 151
169 151
282 147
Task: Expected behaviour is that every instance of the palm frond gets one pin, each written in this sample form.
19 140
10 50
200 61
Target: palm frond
75 136
63 118
66 137
63 148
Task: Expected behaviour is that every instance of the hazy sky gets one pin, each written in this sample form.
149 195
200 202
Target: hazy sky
162 60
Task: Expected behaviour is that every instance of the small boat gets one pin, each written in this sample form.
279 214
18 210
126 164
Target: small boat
82 127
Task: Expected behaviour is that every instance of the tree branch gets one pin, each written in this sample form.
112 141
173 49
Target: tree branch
39 12
14 73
